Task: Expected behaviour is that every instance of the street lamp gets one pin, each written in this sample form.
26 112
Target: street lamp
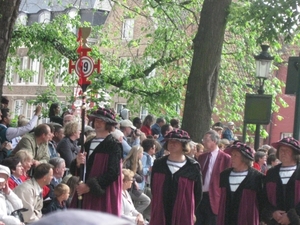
263 64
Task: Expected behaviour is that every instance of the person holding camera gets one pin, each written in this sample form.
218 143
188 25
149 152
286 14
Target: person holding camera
129 130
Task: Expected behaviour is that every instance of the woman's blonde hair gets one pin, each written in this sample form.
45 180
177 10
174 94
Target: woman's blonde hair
128 174
133 160
71 128
24 155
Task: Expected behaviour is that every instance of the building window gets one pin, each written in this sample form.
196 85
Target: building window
119 107
285 135
72 14
22 19
127 29
8 74
63 71
35 68
44 17
29 110
143 113
23 66
18 107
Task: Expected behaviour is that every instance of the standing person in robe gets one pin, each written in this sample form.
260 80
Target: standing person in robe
102 187
282 185
241 188
176 183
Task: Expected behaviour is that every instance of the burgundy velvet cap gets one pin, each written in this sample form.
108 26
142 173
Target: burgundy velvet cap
288 141
106 115
179 135
243 148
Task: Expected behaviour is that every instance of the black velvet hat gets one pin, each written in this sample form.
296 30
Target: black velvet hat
179 135
243 148
106 115
288 141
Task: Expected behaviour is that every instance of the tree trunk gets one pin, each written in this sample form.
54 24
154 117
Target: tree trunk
203 79
9 11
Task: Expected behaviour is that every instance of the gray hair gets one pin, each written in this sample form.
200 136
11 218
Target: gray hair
56 162
258 155
214 136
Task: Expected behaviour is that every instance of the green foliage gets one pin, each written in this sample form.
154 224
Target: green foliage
151 70
48 96
247 28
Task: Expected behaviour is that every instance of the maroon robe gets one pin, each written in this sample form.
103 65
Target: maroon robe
175 197
242 206
103 174
282 197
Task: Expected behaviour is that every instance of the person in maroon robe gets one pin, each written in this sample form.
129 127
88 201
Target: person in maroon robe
241 188
102 186
176 183
282 185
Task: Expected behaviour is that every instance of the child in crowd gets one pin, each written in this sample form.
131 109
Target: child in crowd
61 192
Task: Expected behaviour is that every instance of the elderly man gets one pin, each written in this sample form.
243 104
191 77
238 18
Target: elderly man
30 192
59 168
228 132
212 163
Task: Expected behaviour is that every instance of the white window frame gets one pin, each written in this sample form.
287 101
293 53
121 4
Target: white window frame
59 79
35 67
22 19
30 108
119 106
8 74
285 135
44 16
72 14
127 29
18 107
24 66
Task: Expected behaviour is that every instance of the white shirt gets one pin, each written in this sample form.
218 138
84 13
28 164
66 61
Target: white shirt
95 142
13 132
128 210
175 166
286 172
236 178
211 164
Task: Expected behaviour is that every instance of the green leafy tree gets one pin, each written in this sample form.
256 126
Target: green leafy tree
206 63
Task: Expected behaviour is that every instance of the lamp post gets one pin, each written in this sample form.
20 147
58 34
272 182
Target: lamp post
263 65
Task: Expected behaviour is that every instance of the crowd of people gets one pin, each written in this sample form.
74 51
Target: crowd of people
147 172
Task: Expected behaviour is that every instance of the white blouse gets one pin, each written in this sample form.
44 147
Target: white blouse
128 210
